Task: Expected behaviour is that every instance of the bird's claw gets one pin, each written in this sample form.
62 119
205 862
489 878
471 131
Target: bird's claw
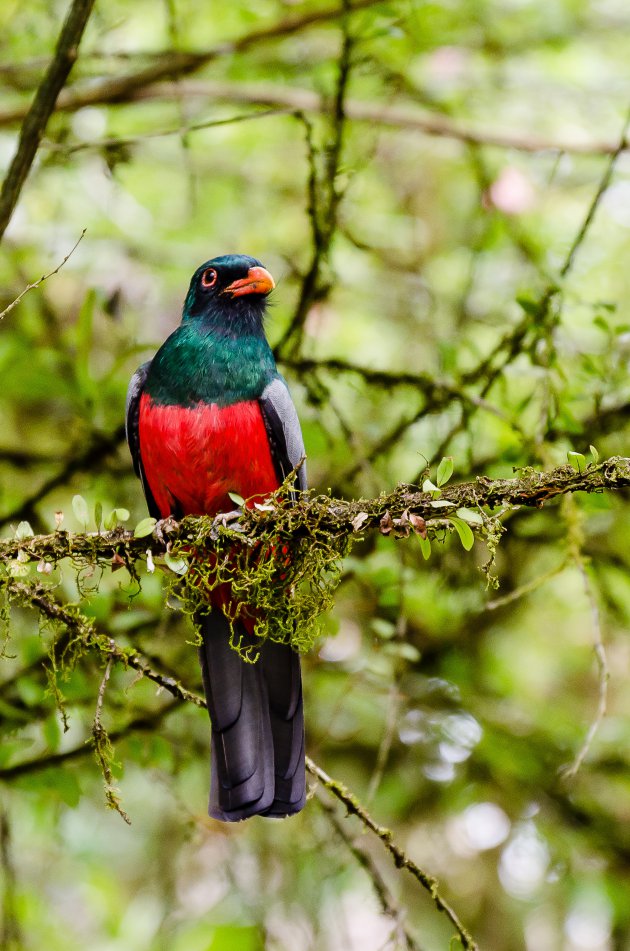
164 527
224 517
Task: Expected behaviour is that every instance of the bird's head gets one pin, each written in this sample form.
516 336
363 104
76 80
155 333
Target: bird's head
229 293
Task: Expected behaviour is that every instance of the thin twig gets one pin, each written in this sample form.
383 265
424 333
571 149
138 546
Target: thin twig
184 129
604 183
44 277
401 859
527 588
544 314
388 903
394 696
385 746
101 695
324 198
103 749
603 675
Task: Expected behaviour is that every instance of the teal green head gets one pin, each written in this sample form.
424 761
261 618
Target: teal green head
228 294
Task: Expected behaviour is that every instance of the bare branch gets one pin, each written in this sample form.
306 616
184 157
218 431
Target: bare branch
324 198
291 100
36 119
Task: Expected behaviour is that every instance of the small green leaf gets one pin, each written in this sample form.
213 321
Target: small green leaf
594 454
98 515
178 565
425 547
236 498
145 527
464 531
115 516
427 486
445 470
577 460
80 509
441 504
23 531
469 515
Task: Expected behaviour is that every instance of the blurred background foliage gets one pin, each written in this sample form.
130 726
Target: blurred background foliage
415 176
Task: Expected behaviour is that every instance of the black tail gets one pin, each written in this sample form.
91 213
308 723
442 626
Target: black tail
257 727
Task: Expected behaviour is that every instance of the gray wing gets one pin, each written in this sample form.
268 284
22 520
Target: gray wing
283 430
132 414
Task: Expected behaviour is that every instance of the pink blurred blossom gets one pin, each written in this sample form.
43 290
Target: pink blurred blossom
512 192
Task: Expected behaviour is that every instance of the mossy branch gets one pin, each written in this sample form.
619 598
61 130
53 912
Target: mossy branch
278 564
337 518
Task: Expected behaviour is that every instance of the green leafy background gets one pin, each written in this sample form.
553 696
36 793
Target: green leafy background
441 248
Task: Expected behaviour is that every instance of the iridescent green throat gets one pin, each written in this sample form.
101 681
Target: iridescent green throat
200 364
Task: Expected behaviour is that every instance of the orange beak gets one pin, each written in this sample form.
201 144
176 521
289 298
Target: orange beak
258 281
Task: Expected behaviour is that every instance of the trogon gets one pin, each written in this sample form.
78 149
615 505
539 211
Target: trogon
210 415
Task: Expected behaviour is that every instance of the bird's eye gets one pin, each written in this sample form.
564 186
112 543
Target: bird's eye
209 277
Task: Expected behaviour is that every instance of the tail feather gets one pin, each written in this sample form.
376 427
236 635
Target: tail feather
256 712
281 667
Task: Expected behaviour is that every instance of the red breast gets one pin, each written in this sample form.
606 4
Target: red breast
194 456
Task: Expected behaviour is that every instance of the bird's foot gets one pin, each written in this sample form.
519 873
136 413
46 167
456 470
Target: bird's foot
164 527
224 518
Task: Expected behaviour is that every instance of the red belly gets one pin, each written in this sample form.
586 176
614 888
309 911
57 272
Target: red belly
192 457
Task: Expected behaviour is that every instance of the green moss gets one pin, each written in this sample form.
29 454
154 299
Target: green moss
279 579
